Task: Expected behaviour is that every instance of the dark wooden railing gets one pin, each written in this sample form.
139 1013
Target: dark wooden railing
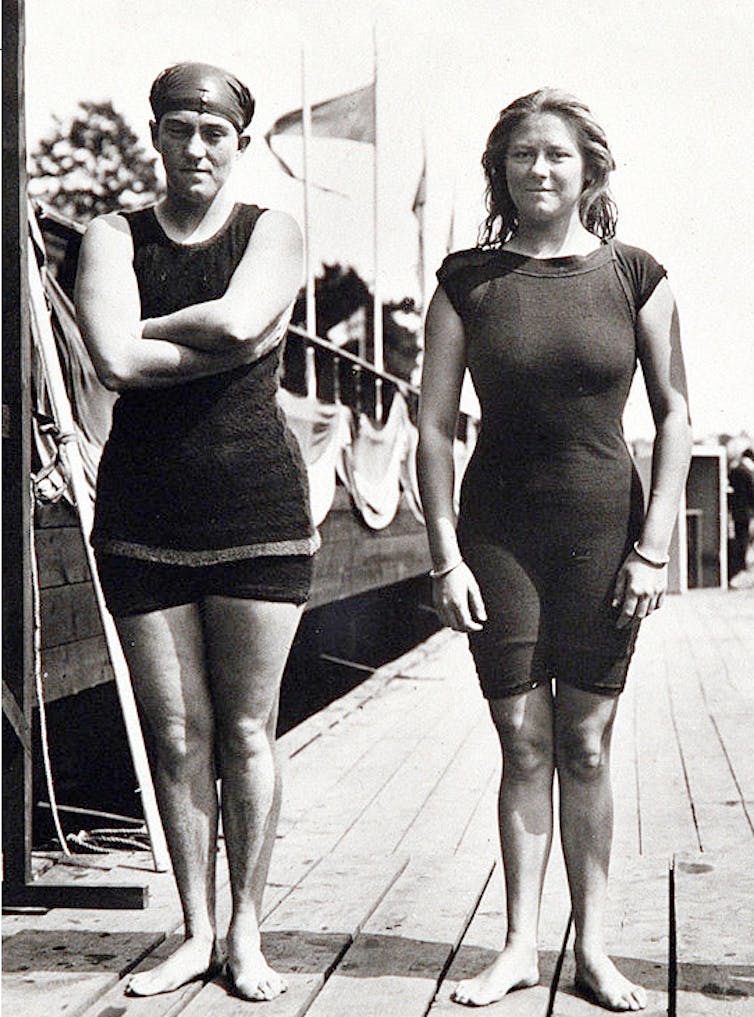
317 368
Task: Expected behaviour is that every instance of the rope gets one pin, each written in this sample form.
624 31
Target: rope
51 493
101 842
38 679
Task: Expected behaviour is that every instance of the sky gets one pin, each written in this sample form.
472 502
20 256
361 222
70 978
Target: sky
671 84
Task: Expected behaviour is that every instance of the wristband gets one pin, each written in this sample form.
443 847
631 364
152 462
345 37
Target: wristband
439 573
658 563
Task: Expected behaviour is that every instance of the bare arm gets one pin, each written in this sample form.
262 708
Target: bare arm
108 311
456 594
665 377
254 310
641 587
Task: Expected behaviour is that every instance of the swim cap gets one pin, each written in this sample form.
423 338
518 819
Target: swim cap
203 88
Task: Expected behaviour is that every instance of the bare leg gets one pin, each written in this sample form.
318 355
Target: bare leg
247 644
165 655
584 725
525 727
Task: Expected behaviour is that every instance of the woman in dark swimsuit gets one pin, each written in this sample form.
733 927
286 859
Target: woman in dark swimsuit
553 563
202 531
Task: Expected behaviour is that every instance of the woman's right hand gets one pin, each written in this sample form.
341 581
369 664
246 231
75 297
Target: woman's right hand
457 600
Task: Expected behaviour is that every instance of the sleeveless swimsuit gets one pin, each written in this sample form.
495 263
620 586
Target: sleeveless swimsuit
201 485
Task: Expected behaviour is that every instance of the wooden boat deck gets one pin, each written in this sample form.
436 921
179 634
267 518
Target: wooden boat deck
384 887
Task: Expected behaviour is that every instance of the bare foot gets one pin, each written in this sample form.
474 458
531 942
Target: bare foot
192 960
599 979
515 968
253 978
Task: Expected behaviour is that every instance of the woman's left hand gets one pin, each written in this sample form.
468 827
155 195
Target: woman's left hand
639 589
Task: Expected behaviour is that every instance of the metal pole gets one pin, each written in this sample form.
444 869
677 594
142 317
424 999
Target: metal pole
379 359
306 129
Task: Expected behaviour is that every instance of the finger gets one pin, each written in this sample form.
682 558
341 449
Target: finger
452 618
620 588
642 607
660 600
476 604
467 623
628 610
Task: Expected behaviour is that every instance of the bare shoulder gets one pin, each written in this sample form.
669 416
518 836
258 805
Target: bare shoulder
659 309
278 227
108 233
441 313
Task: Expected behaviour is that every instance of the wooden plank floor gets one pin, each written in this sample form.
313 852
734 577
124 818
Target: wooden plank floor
384 888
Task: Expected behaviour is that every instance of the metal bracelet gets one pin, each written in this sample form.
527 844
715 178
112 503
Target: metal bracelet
658 563
439 573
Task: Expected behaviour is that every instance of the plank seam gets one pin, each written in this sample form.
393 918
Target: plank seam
555 983
728 760
637 780
682 758
472 727
672 943
459 940
482 794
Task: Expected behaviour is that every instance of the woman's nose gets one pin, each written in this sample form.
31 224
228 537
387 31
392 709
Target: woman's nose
540 166
195 145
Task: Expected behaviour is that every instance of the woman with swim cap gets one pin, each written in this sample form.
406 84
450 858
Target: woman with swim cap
203 534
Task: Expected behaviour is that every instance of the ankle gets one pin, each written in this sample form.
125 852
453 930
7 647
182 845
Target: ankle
201 936
522 943
587 951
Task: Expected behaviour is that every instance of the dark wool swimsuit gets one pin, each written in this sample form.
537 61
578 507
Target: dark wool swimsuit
551 502
201 486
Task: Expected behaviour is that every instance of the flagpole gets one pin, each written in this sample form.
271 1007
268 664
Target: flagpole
379 359
421 219
306 130
311 310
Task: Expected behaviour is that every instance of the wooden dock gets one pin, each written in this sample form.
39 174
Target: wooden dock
385 887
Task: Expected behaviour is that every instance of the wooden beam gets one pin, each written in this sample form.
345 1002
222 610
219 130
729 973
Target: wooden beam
16 454
64 895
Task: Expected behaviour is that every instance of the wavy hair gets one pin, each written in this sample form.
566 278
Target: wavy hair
597 209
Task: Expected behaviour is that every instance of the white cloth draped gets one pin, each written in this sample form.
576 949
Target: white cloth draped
376 464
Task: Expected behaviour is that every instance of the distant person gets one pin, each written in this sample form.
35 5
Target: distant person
553 563
741 508
202 529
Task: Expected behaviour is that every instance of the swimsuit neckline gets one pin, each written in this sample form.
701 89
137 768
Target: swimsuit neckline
199 244
568 264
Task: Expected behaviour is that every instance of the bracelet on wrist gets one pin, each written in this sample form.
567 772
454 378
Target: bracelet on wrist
445 571
657 563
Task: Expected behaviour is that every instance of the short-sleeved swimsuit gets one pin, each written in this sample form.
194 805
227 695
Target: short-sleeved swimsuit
551 501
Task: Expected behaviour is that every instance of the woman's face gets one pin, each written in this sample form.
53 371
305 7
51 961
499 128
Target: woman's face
544 169
198 150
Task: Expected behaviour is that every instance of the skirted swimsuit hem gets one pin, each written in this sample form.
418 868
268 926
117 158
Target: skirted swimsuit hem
174 556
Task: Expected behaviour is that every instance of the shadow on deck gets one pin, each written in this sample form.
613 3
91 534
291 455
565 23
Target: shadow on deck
384 887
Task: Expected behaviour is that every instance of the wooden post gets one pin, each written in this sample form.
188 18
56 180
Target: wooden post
17 591
18 887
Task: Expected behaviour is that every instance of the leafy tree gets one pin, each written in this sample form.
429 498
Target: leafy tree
92 163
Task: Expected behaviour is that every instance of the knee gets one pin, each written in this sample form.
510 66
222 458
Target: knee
582 758
183 746
527 757
244 738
